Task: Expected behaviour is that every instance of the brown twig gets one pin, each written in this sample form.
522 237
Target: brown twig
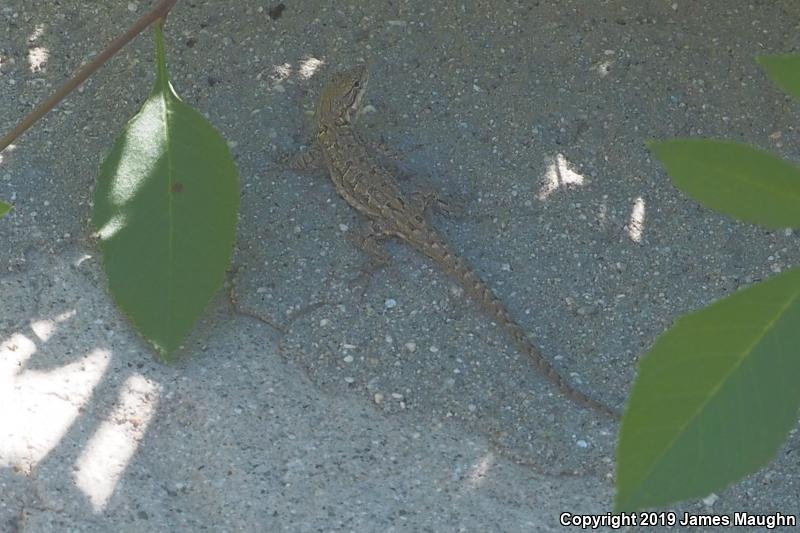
158 12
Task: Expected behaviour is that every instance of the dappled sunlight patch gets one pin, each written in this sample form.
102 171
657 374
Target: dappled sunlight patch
112 227
40 406
559 174
37 55
45 328
144 148
635 226
37 32
108 452
282 72
602 212
7 151
37 58
83 258
309 67
603 68
480 470
14 353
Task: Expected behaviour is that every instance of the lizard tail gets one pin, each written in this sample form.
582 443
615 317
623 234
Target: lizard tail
438 250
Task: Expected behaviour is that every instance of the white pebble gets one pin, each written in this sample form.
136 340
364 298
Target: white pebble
433 349
348 359
390 303
582 443
411 346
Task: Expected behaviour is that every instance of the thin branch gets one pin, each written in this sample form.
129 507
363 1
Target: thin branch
158 12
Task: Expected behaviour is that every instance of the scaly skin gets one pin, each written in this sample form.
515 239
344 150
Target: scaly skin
371 189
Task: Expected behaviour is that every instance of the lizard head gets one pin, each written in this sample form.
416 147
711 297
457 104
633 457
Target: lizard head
342 95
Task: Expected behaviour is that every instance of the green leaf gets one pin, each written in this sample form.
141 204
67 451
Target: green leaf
715 398
784 71
736 179
165 208
4 208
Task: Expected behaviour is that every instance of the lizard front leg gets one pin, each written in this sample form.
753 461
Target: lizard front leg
308 161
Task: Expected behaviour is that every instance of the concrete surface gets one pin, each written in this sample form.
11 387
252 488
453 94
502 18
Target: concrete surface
390 403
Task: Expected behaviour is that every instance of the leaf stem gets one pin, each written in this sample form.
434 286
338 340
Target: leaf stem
157 13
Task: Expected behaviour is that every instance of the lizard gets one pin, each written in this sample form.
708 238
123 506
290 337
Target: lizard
372 190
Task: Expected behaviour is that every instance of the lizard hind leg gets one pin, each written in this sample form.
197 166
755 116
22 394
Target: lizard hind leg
370 241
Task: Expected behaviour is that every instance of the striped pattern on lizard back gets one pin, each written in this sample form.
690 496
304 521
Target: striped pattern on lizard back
371 189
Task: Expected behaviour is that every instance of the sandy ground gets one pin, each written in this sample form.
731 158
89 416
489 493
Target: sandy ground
388 402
